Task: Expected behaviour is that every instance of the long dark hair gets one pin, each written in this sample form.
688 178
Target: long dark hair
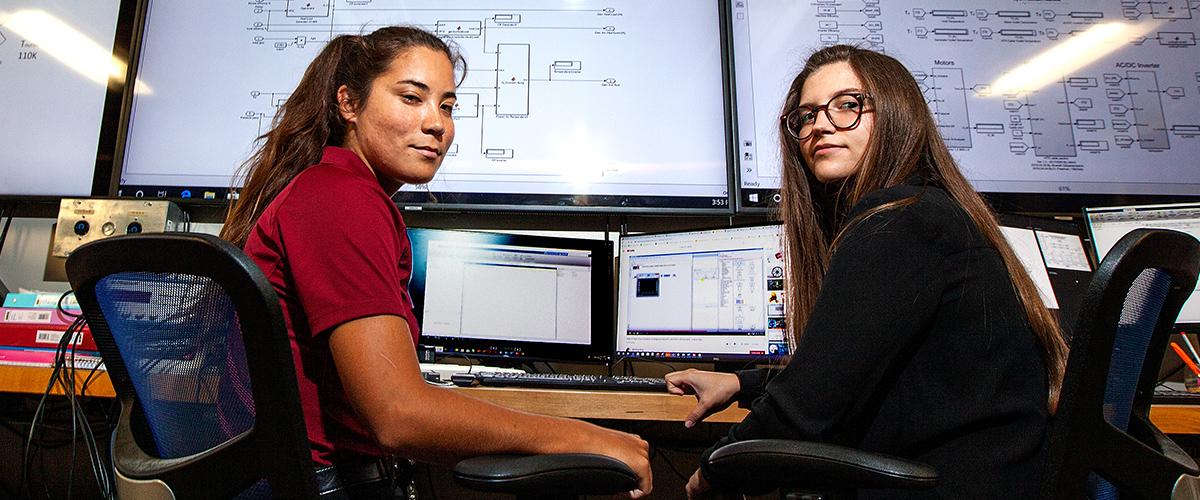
309 120
904 143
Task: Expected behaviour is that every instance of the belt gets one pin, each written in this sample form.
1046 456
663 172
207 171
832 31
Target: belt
345 475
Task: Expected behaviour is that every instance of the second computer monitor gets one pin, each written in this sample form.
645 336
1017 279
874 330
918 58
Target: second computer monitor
709 295
518 297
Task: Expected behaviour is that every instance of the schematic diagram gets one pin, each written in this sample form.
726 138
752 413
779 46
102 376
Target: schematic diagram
556 97
1029 96
571 75
510 67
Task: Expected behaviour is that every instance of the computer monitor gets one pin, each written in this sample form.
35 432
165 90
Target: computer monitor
1055 256
575 105
1108 224
709 295
1045 109
519 297
62 73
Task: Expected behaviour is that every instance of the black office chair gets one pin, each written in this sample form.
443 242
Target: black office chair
1102 443
195 345
1101 440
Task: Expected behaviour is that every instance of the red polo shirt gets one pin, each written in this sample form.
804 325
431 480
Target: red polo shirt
334 247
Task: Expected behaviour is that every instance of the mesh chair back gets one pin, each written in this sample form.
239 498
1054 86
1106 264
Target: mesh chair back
197 350
1102 443
181 343
1131 344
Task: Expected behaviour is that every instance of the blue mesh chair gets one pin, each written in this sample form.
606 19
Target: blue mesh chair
197 350
195 344
1102 443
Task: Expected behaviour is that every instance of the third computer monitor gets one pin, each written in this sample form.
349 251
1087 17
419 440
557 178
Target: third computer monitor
709 295
1108 224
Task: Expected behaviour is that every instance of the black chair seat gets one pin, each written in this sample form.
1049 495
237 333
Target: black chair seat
762 465
546 475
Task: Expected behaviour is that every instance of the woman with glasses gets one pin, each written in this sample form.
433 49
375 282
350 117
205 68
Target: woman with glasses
915 330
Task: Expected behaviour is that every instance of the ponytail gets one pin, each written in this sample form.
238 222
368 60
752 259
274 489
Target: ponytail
299 132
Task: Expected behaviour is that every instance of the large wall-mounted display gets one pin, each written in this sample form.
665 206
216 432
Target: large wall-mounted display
615 105
1065 97
56 67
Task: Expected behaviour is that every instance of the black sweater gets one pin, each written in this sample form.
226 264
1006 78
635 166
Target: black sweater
917 347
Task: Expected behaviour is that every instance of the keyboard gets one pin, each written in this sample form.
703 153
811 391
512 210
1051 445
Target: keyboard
1165 395
572 381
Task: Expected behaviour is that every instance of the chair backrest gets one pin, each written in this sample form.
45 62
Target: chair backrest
1102 443
195 343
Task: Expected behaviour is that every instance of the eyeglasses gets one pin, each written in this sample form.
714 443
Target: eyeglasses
843 111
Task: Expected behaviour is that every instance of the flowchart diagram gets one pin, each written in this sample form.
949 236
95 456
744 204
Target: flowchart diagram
1077 96
535 70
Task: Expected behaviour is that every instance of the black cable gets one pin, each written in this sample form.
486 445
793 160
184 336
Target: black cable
64 376
7 214
62 308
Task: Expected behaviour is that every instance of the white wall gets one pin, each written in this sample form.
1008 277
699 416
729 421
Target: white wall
23 258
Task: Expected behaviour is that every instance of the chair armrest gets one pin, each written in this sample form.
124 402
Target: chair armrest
572 474
762 465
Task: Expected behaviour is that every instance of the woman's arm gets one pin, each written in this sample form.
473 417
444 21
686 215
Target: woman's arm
377 364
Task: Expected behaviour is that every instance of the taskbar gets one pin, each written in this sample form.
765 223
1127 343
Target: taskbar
203 193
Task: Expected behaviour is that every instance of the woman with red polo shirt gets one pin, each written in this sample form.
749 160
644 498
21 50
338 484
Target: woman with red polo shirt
372 113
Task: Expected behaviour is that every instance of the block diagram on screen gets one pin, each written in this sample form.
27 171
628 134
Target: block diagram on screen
1029 96
504 79
555 99
541 83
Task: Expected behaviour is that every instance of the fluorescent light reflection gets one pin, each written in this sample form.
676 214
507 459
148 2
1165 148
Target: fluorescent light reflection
66 44
1072 54
578 158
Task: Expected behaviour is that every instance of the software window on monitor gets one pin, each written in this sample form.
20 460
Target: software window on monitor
714 294
1108 224
504 292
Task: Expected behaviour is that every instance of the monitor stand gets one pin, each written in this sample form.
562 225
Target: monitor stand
733 366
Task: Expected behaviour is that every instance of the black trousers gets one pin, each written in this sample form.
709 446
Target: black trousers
384 479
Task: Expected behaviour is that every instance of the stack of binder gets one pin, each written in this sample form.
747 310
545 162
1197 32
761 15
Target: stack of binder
32 327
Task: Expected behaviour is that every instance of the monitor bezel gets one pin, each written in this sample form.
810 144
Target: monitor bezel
110 115
598 350
725 359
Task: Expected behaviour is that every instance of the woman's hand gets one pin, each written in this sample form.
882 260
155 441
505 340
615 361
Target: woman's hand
628 448
698 488
714 391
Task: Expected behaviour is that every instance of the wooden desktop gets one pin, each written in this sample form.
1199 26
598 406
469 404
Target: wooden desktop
644 406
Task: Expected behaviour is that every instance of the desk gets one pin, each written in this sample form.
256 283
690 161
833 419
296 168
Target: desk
652 406
33 381
645 406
